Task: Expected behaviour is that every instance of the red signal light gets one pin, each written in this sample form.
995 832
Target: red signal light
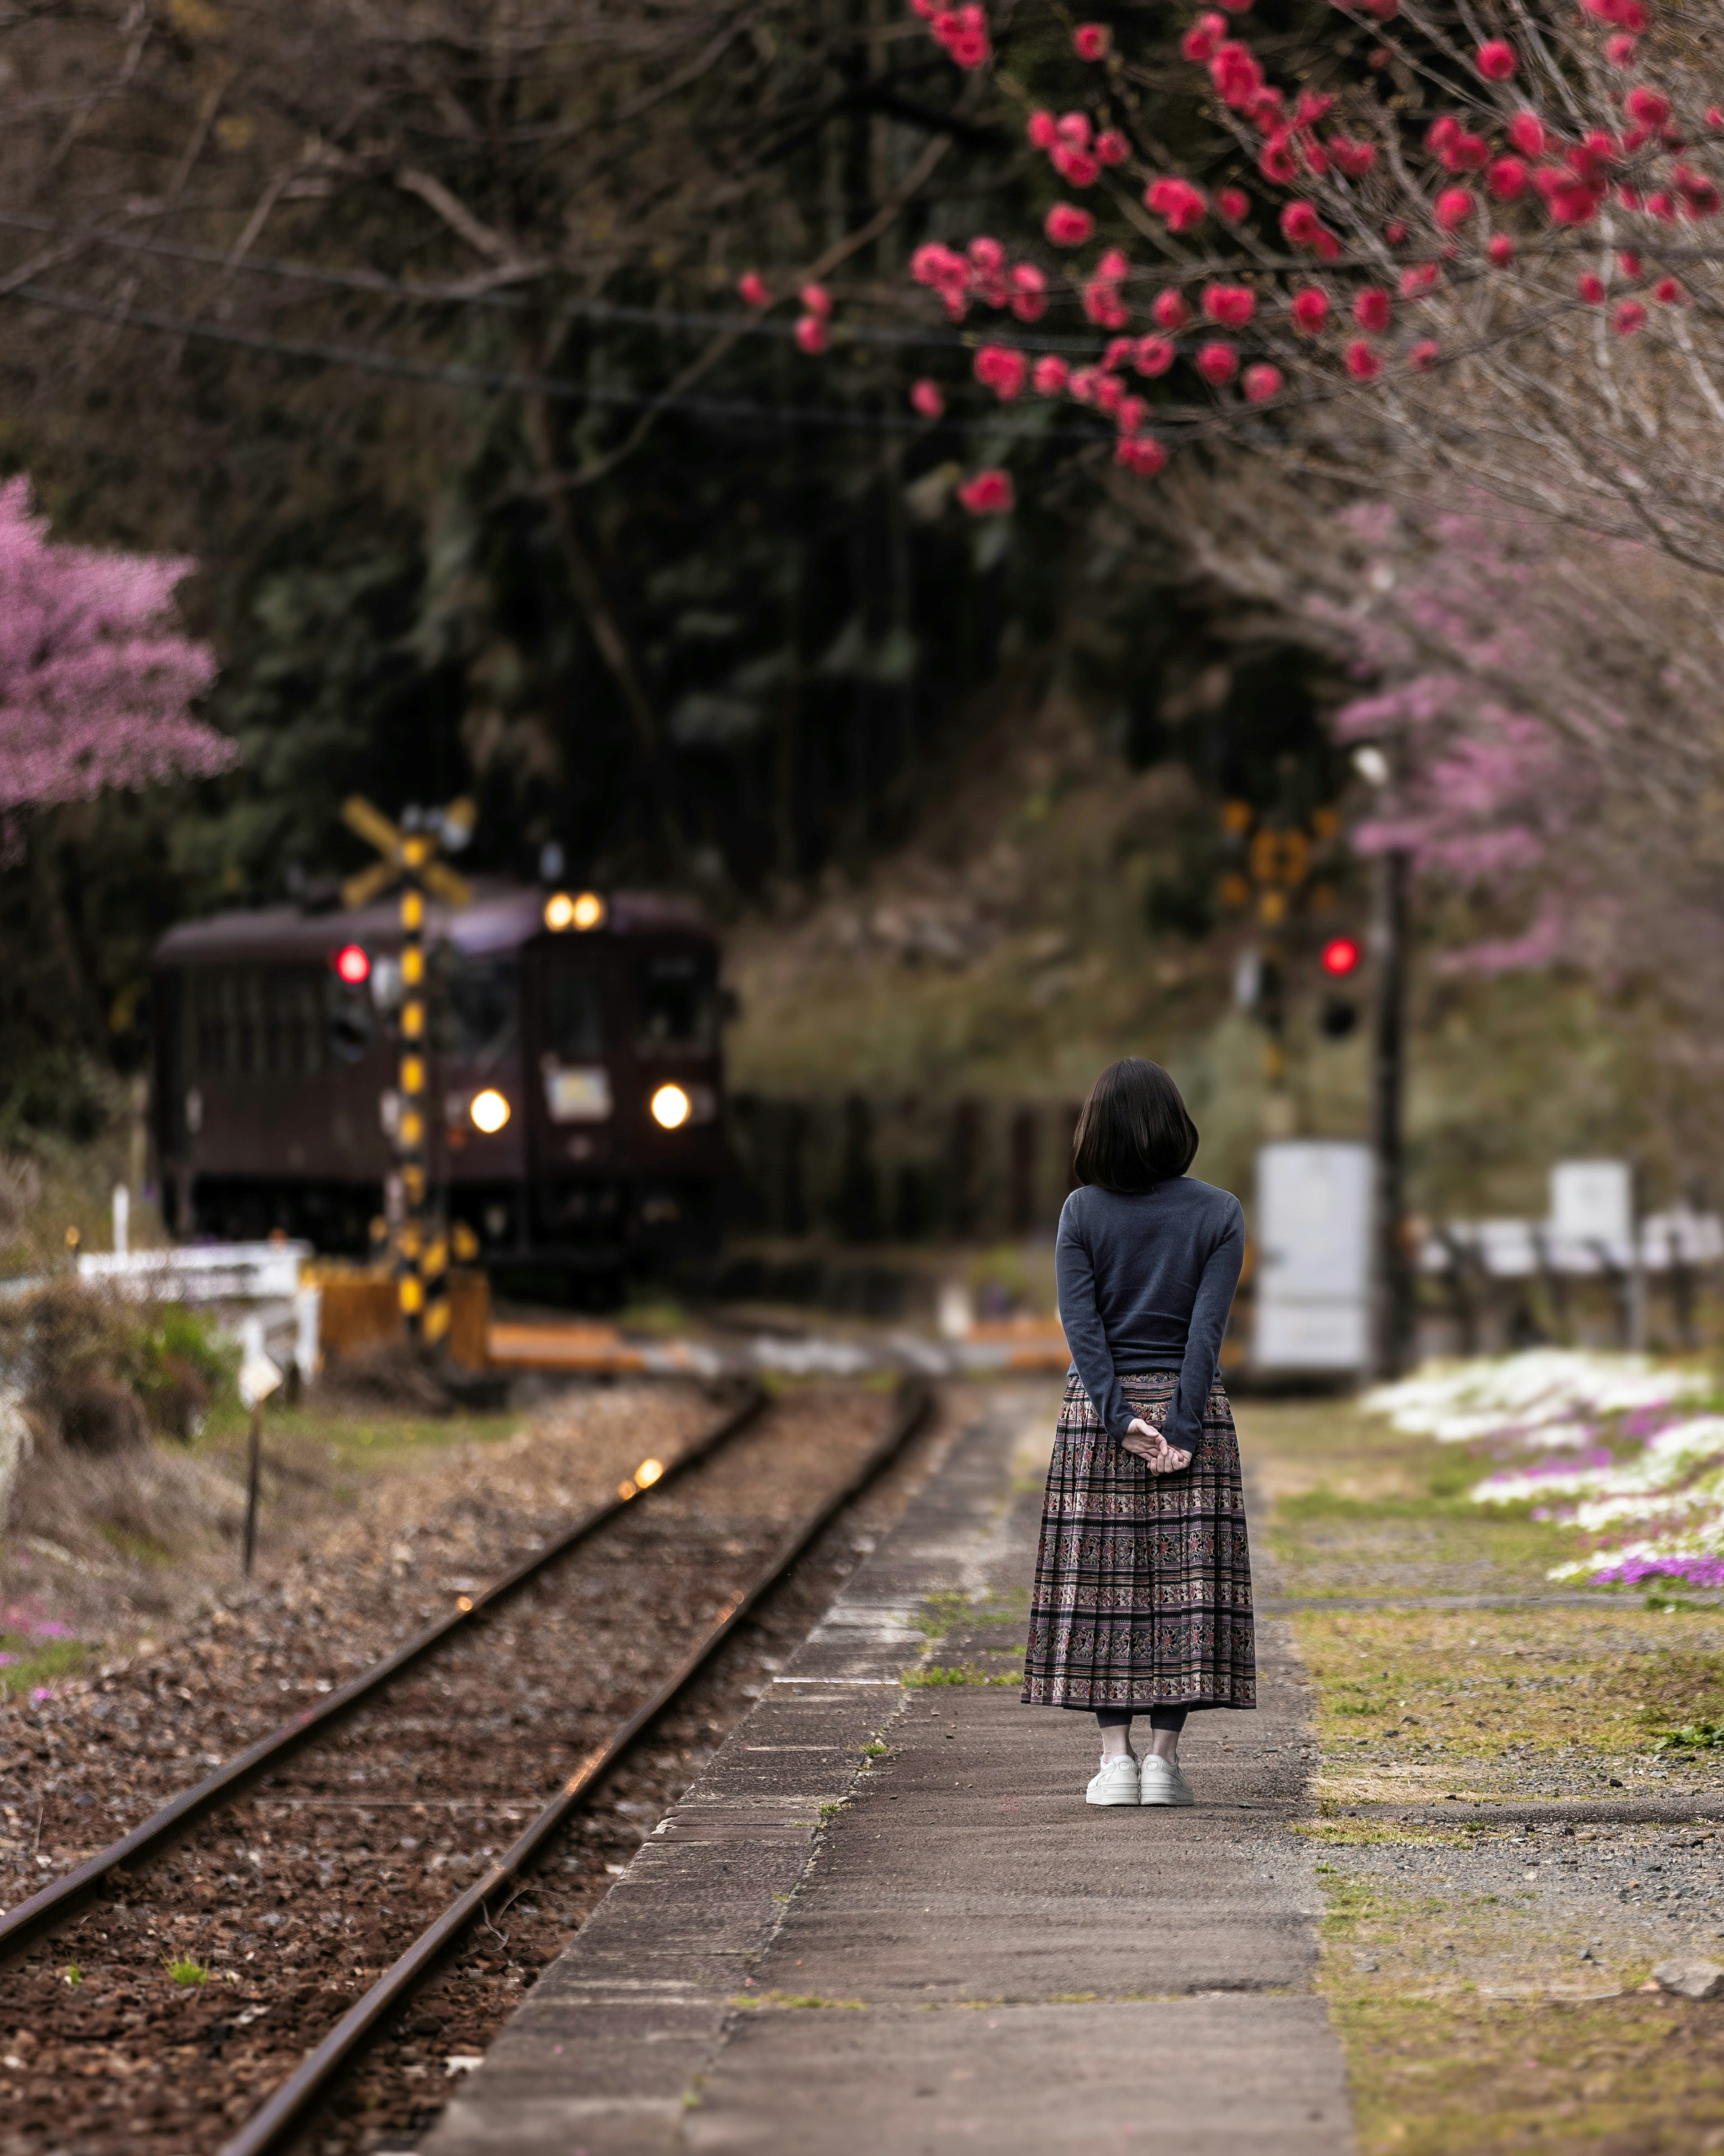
352 963
1341 955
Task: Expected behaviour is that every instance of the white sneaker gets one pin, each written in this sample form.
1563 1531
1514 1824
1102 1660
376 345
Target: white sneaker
1114 1782
1161 1782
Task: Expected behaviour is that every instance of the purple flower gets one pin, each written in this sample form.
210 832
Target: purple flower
1697 1571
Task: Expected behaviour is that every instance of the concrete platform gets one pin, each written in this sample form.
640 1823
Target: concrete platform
941 1944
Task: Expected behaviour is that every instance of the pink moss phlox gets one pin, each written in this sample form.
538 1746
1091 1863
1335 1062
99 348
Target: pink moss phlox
1696 1571
1645 1423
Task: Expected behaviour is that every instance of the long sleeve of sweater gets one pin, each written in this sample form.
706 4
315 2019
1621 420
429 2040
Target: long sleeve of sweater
1086 1335
1184 1426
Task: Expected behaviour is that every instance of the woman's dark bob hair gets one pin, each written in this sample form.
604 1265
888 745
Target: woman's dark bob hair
1135 1131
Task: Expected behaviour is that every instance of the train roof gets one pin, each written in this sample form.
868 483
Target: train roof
501 917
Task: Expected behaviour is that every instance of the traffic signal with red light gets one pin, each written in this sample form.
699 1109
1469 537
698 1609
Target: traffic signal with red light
352 964
1341 956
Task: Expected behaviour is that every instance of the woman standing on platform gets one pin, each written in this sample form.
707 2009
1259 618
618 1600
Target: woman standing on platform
1142 1597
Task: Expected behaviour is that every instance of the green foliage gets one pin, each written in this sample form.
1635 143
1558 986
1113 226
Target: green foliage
328 694
59 1091
181 1366
184 1969
30 1662
68 1332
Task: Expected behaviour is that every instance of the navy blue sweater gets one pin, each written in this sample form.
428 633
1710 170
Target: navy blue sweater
1146 1282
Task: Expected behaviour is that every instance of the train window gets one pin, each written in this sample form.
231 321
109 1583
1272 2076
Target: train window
214 1024
254 1025
678 1003
574 1016
293 1034
249 1004
479 1006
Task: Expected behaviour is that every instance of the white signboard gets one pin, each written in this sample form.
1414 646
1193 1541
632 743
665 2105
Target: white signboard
1592 1201
1314 1257
258 1377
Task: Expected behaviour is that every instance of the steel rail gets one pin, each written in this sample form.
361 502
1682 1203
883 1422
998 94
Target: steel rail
57 1900
286 2112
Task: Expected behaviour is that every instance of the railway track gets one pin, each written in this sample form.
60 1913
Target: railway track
455 1722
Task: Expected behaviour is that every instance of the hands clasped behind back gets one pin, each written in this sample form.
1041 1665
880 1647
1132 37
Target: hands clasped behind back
1145 1443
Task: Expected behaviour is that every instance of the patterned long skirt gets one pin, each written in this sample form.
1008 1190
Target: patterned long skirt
1142 1594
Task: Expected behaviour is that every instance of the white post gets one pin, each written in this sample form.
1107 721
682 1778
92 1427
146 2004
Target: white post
308 1310
122 1220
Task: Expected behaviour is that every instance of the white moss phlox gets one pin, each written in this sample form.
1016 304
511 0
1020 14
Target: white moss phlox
1539 1397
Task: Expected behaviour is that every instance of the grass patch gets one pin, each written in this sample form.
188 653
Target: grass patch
959 1673
1492 2077
952 1611
798 2001
134 1546
358 1439
1445 1691
186 1970
26 1664
1324 1503
1682 1697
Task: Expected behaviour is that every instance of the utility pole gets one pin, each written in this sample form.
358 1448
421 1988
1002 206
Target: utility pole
1392 1272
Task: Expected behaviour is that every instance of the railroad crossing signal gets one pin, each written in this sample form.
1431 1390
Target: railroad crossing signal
420 1248
1277 875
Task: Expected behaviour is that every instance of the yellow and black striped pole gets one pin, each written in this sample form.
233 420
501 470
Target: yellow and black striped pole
421 1256
419 1241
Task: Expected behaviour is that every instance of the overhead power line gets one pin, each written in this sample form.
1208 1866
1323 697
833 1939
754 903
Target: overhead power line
450 375
376 285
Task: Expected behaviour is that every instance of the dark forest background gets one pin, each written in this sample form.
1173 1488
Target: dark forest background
725 641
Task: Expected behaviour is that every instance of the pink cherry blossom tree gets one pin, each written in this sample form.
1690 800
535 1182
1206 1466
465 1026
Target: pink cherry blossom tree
95 682
1542 706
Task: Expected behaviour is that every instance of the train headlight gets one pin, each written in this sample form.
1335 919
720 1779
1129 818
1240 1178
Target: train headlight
489 1111
670 1106
582 909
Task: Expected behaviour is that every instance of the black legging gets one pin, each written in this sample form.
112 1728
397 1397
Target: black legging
1160 1717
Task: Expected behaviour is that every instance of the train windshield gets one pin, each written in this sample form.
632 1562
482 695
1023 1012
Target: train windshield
574 1016
480 1005
679 1002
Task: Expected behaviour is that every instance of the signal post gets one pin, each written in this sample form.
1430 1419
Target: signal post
418 1252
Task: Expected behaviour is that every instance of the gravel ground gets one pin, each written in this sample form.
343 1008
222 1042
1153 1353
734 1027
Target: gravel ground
1569 1910
162 2015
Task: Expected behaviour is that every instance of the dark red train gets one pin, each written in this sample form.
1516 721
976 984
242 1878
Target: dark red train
577 1060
